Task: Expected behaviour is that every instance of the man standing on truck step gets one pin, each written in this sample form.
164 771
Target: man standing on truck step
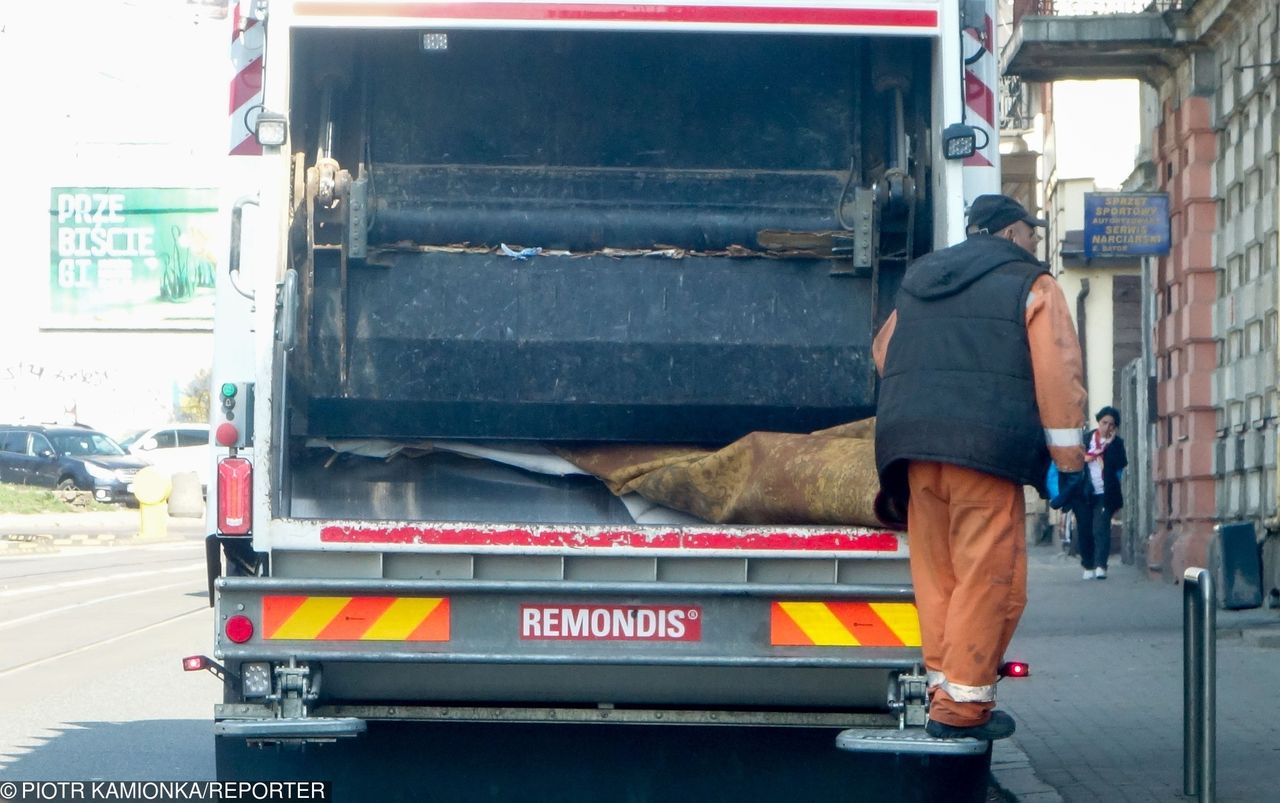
981 386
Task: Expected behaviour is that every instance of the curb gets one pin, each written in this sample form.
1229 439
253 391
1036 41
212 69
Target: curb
1012 773
47 543
26 545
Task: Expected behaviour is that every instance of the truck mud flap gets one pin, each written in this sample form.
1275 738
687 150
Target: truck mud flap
461 762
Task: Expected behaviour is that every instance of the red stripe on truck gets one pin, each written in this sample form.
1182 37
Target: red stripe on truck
626 12
704 540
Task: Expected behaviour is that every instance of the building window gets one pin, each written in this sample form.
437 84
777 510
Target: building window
1253 338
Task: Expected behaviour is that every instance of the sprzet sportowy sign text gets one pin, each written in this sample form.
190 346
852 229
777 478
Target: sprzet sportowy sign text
1126 224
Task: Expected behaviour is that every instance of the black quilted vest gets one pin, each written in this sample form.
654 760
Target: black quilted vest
957 385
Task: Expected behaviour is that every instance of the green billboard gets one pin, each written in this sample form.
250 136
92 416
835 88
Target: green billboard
135 257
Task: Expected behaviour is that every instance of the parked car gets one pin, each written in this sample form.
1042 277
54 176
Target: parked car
68 458
174 448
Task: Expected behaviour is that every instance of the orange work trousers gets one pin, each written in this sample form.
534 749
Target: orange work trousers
969 568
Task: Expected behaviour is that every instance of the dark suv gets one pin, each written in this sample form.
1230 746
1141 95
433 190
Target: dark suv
68 457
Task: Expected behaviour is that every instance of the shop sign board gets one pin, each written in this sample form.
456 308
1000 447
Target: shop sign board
1126 224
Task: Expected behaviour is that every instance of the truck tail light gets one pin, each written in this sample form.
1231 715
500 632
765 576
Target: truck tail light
239 628
1014 669
235 486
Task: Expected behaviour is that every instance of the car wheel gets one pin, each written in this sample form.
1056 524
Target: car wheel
67 484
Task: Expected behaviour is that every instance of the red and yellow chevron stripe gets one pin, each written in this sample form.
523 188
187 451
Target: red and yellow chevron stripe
356 618
844 624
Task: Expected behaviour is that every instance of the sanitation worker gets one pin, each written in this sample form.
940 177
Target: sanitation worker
981 386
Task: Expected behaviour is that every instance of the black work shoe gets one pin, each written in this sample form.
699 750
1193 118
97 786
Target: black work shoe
1000 726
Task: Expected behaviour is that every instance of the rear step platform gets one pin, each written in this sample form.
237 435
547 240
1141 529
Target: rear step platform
320 728
909 740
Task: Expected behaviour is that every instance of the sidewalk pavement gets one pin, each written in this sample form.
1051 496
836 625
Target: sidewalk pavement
24 533
1100 717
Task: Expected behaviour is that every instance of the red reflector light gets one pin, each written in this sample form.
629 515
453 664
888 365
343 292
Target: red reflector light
239 629
1015 669
194 663
235 502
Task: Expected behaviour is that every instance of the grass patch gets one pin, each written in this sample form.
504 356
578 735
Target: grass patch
25 499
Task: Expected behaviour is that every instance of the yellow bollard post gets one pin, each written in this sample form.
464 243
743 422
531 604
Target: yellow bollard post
151 486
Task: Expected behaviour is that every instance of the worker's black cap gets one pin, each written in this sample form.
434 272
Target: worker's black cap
991 213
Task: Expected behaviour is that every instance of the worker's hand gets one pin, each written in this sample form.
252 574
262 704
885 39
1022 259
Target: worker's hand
1070 484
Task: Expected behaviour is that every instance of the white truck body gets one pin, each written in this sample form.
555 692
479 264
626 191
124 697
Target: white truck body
377 589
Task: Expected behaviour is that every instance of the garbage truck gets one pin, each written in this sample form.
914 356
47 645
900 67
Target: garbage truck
531 317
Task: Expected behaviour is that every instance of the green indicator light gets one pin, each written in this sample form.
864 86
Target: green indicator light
228 389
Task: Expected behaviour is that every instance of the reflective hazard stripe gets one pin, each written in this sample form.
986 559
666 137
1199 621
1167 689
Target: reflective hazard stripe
844 624
933 678
1062 437
356 618
969 694
648 539
744 13
248 44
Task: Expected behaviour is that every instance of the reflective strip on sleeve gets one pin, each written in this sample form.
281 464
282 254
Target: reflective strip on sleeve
1062 437
933 678
969 694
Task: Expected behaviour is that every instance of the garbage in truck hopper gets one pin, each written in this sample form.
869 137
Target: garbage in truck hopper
824 477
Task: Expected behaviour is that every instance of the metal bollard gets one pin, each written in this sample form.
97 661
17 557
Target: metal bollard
1199 684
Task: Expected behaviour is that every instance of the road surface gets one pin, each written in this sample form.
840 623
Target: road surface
91 682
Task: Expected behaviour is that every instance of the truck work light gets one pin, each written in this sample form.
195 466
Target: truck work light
271 129
255 679
435 41
959 141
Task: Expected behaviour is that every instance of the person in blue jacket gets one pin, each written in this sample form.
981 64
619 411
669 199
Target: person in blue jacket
1100 497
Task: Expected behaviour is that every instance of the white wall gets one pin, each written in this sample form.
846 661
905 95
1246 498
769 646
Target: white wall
100 93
